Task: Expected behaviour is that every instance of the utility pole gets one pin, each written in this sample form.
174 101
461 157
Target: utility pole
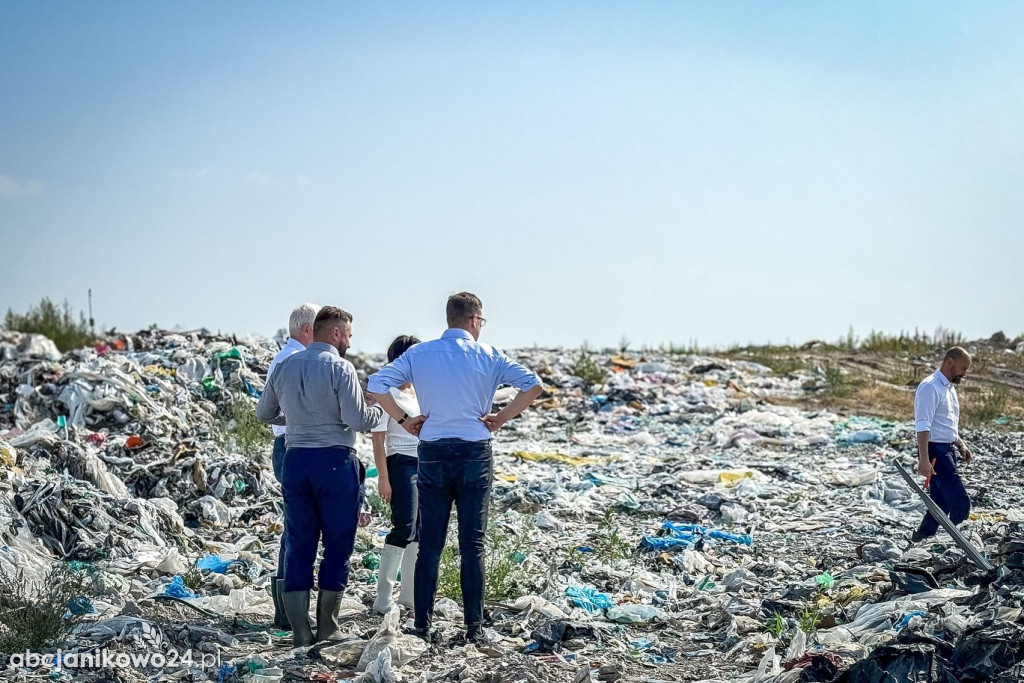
92 322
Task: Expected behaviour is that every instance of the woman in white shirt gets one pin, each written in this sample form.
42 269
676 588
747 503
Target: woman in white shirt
394 452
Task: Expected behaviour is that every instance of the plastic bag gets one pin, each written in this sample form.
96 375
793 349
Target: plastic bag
380 670
917 663
984 654
176 589
401 648
588 598
634 614
213 563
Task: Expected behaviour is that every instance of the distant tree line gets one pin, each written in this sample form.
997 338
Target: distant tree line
56 322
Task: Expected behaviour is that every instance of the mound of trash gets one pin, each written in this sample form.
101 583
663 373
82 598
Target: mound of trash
655 517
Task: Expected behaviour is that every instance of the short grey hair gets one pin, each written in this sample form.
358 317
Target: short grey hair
302 315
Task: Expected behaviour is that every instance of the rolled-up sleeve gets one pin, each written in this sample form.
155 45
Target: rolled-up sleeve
391 376
926 401
516 375
269 408
354 411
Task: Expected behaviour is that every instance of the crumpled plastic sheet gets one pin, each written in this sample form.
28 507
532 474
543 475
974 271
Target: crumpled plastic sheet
401 648
588 598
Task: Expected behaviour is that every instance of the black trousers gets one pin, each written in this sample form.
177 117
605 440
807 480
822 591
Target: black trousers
402 475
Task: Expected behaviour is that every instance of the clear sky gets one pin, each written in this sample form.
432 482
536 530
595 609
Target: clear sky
725 172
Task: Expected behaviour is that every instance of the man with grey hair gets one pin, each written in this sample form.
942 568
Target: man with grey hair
300 334
316 392
937 419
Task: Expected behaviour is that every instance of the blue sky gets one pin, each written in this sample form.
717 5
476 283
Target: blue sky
725 172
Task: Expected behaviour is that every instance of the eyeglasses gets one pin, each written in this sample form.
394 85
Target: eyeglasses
483 320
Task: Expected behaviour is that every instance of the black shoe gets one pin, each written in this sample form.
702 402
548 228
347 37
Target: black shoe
477 636
917 537
427 635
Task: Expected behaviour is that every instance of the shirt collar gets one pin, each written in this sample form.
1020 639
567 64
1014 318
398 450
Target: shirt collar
295 344
323 346
942 378
456 333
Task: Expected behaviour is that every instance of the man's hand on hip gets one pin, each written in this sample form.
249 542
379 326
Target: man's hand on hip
493 421
413 425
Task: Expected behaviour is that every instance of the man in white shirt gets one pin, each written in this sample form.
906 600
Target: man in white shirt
937 419
300 334
455 378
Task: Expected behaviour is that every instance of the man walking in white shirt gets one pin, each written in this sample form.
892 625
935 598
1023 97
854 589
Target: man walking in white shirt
937 418
300 334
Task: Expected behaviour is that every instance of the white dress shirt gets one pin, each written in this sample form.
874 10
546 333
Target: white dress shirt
937 409
455 378
289 349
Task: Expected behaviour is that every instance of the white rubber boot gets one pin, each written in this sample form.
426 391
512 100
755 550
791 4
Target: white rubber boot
405 597
390 558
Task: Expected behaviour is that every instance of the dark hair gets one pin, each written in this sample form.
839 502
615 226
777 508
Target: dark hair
330 316
463 306
400 346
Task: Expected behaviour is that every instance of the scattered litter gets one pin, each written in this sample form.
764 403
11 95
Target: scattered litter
687 521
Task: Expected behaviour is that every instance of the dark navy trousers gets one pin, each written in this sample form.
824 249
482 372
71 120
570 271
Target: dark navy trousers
452 471
321 500
946 489
277 459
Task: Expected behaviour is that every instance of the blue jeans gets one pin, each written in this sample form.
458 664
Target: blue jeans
321 498
402 475
946 489
459 472
277 459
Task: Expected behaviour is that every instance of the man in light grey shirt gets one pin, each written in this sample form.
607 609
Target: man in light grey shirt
316 392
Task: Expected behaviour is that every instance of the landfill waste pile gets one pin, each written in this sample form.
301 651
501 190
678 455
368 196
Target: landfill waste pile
656 516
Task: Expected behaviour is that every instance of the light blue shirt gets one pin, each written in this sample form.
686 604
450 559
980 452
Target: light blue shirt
455 378
289 349
937 409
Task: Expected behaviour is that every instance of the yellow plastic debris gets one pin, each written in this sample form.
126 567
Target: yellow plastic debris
574 460
8 456
731 478
623 362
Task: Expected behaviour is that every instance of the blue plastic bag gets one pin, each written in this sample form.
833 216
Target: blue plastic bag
686 535
81 605
176 589
588 598
212 562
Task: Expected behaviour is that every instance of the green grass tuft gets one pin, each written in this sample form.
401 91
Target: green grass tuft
979 410
608 545
237 428
587 369
34 616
